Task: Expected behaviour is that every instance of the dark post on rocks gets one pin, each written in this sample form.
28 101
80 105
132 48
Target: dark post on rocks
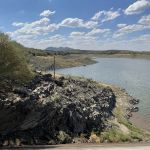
54 65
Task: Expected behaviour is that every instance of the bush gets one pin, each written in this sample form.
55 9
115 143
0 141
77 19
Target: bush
13 65
114 135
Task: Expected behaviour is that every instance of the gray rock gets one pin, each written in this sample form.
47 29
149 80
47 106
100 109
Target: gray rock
55 111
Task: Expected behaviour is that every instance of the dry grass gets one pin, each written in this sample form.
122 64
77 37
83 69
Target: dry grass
66 61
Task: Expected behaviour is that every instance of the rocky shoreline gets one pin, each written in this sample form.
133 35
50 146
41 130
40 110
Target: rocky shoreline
64 110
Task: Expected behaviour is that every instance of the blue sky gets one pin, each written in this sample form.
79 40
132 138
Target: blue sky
83 24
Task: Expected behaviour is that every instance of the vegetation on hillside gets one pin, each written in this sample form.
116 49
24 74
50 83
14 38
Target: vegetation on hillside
13 65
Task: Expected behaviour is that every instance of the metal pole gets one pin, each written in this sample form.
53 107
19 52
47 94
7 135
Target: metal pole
54 66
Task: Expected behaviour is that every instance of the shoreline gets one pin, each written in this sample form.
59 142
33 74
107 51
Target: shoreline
122 96
75 60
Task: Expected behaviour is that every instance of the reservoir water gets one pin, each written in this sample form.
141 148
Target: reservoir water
130 74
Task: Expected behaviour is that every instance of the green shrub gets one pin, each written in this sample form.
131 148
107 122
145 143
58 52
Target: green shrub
13 65
114 135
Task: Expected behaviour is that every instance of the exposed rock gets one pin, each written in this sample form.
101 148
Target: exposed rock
23 92
134 101
134 109
49 111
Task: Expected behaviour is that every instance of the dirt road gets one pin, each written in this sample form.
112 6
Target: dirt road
90 147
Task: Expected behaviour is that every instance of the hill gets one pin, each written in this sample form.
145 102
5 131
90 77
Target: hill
13 65
59 49
79 51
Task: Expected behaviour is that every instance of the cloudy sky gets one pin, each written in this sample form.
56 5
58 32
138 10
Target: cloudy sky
83 24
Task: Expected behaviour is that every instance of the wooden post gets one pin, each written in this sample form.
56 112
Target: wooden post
54 66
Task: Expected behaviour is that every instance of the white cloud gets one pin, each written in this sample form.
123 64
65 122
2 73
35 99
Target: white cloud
94 32
110 15
138 7
18 24
43 26
21 38
145 20
126 45
121 25
47 13
104 16
90 24
86 40
128 29
37 34
143 24
143 38
80 40
72 22
76 23
43 21
97 15
39 27
98 31
77 34
53 41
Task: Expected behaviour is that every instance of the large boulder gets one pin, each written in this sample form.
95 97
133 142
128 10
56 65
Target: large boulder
49 111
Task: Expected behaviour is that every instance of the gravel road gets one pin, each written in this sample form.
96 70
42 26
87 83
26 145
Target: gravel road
90 147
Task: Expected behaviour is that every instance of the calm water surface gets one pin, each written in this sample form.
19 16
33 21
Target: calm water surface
131 74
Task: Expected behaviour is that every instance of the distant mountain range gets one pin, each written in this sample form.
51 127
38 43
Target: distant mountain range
66 50
59 49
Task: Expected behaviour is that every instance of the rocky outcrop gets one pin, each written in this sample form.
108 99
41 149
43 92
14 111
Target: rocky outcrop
49 111
132 108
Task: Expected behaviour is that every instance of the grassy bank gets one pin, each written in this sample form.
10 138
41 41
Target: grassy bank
45 63
122 129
